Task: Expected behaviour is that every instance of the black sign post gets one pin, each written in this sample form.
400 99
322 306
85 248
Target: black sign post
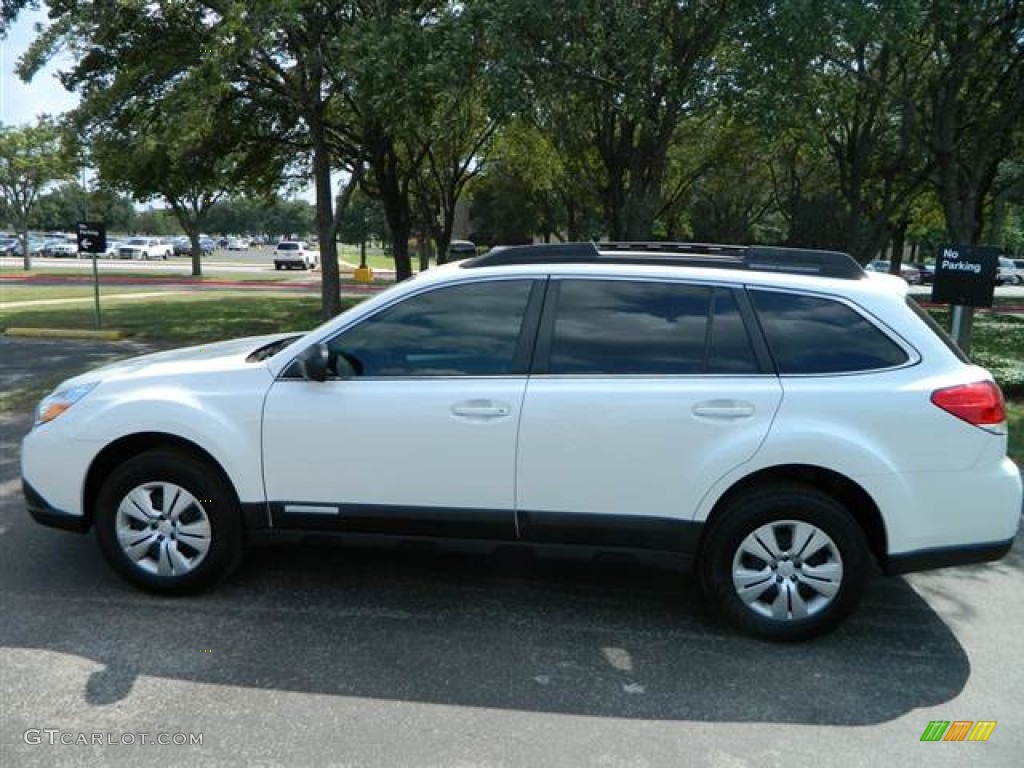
965 278
92 239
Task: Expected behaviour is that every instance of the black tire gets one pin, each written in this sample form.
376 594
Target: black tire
217 511
777 505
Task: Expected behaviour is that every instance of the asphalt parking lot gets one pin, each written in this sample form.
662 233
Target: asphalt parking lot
325 656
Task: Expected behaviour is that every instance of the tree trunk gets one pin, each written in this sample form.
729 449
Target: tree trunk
899 241
26 256
394 194
330 279
197 253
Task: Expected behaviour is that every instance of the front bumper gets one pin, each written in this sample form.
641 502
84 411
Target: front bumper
45 513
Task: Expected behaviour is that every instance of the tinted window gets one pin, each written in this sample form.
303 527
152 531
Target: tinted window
812 335
622 327
287 246
730 350
462 330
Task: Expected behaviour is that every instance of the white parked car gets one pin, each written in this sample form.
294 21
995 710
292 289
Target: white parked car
1007 272
144 248
295 253
67 249
776 419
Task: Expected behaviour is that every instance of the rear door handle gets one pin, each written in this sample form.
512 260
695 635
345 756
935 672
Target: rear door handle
481 409
724 410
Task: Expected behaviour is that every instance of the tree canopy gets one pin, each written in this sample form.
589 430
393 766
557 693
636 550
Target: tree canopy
832 123
31 159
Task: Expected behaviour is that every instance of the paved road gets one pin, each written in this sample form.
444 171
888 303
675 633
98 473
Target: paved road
326 656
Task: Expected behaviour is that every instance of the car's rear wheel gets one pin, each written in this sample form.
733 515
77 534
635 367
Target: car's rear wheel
167 523
784 562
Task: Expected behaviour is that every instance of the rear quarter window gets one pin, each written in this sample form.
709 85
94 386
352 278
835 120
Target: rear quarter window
814 335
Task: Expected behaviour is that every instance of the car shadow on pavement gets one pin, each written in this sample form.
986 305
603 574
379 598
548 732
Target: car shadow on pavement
501 632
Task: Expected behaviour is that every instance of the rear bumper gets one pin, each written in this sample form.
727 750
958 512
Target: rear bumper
46 514
944 557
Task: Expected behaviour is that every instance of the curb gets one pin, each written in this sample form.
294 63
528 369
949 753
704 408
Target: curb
65 333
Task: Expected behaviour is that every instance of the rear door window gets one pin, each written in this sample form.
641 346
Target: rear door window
647 328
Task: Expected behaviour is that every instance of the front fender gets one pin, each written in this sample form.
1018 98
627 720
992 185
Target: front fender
225 424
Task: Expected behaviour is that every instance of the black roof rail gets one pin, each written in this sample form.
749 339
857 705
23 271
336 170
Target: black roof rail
758 258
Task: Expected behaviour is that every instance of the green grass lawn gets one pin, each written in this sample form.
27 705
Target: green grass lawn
1015 415
997 343
375 258
16 293
182 269
204 317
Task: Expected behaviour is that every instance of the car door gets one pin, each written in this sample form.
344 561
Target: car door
644 394
421 438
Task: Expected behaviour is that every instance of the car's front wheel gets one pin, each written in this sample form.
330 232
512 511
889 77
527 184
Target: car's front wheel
168 523
784 562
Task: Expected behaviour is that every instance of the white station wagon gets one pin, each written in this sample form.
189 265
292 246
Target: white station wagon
777 419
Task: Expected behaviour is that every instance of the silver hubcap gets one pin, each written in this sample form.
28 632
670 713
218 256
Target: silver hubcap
163 529
787 570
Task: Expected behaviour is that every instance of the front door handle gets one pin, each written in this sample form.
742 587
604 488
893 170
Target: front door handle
482 410
724 410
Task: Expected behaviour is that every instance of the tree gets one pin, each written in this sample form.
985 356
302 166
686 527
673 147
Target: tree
616 78
724 181
525 190
31 158
284 218
282 58
842 76
388 98
363 219
185 142
460 127
973 106
60 209
262 61
190 163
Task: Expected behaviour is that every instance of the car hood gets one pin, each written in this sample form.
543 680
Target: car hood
218 356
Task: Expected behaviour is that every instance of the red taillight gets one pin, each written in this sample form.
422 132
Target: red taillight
980 404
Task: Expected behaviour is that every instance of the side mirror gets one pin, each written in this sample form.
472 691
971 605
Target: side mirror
312 362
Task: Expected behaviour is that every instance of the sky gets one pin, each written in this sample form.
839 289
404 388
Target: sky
20 102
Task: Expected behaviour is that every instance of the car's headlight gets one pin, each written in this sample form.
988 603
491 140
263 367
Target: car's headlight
54 404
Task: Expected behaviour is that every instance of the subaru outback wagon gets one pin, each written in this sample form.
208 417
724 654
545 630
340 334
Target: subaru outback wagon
777 419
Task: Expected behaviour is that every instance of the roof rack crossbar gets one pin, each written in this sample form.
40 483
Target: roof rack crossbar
757 258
